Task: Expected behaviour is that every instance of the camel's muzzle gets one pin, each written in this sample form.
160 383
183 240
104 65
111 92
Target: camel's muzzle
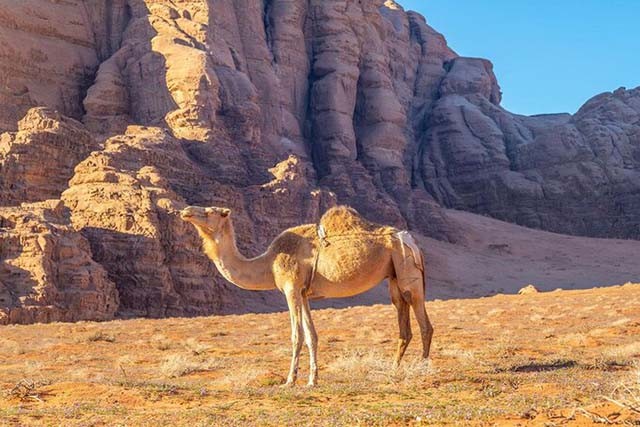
190 212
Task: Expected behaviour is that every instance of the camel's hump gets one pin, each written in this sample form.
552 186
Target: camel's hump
345 219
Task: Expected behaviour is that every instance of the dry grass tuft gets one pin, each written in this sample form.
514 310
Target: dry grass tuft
366 365
11 347
627 394
628 351
247 376
100 336
195 347
620 322
458 353
178 365
161 342
575 339
618 356
27 389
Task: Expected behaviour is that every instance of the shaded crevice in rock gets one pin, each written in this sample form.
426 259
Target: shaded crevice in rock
109 20
268 27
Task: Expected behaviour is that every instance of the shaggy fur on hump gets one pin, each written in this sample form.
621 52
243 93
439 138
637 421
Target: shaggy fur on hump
345 220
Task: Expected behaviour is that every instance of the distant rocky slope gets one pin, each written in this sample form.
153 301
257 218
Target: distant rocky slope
125 110
575 174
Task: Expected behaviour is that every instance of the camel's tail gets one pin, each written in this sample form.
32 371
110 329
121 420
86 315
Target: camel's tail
406 239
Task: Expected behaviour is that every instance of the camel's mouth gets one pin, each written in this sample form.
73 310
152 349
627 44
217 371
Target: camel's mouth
190 213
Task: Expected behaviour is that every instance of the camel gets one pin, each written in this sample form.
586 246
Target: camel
342 256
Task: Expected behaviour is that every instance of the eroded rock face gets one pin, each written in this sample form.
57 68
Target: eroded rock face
47 273
47 58
570 174
278 109
37 162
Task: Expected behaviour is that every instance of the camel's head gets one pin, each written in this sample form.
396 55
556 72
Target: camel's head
212 218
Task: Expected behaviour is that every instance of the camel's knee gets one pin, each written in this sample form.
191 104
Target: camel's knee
427 332
296 340
407 296
311 339
411 290
406 336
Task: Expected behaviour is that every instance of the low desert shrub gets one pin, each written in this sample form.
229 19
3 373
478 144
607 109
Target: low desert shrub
27 389
364 365
618 356
195 347
177 365
100 336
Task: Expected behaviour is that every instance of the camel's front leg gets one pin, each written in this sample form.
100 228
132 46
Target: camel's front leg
294 301
311 338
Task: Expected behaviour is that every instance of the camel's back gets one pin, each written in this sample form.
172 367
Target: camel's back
347 236
343 220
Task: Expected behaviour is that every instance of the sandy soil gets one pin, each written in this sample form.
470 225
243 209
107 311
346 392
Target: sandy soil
556 358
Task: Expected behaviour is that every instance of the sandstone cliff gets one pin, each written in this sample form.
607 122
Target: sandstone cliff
47 273
569 174
126 110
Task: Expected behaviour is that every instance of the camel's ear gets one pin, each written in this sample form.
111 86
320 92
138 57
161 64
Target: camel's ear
225 212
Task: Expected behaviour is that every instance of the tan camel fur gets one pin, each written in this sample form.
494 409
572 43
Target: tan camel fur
343 256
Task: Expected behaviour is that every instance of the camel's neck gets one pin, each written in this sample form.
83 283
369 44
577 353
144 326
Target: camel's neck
253 274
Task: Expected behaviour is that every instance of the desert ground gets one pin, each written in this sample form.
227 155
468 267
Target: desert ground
549 358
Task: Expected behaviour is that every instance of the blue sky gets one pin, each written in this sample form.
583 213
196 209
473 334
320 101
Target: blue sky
550 56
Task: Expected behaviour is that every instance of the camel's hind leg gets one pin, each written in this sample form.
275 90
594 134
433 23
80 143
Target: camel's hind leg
411 283
294 301
426 329
403 319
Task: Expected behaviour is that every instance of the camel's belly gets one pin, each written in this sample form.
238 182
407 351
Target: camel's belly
323 289
344 275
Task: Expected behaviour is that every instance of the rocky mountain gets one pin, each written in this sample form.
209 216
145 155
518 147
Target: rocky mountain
119 112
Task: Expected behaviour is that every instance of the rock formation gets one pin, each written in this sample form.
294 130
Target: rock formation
125 110
46 270
38 160
575 174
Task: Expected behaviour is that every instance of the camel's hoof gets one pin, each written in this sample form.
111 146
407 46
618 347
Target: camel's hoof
288 384
311 384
